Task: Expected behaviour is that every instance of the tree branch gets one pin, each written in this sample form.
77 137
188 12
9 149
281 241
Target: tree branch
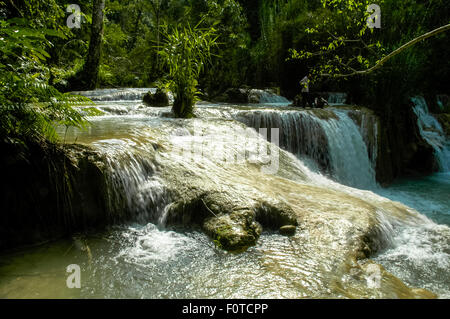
380 63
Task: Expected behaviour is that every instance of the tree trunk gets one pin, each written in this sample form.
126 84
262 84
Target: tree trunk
92 65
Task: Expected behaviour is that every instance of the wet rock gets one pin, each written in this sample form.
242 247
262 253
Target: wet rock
234 232
275 214
233 223
57 190
444 120
158 99
248 95
287 230
234 95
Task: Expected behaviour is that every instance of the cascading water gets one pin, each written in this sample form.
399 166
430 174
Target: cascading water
147 170
125 94
265 97
431 131
328 138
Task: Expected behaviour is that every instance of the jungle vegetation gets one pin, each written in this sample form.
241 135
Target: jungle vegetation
49 48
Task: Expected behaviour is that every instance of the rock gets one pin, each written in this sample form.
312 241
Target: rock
287 230
274 90
275 214
158 99
248 95
234 95
234 232
444 120
232 227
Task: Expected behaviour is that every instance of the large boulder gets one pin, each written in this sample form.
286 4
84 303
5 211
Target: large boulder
235 231
233 223
233 95
248 95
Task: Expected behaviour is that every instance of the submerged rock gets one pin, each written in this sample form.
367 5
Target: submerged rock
248 95
233 232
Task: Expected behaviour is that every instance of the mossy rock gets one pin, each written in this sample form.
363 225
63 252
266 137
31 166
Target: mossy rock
158 99
275 215
234 95
234 232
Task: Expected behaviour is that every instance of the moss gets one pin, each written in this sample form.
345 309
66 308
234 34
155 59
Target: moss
235 232
275 215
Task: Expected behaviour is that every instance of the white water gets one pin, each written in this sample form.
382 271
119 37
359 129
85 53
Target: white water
125 94
149 262
431 130
350 160
265 97
329 139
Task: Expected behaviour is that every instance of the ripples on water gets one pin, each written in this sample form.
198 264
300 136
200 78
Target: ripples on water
147 262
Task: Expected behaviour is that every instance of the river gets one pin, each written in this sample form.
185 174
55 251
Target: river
325 165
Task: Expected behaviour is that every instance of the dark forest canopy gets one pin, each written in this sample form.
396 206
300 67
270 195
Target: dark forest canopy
260 43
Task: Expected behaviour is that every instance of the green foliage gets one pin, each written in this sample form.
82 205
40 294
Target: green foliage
262 43
185 51
230 63
340 41
29 107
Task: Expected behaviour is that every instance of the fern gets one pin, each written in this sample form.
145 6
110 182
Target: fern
29 106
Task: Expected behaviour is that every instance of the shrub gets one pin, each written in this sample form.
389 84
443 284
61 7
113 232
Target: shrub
185 52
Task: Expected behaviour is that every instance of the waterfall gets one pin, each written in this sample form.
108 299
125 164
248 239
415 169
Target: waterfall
301 133
126 94
368 127
134 187
432 132
209 169
330 138
350 159
266 97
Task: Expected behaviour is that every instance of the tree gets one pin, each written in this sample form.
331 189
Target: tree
92 65
344 45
